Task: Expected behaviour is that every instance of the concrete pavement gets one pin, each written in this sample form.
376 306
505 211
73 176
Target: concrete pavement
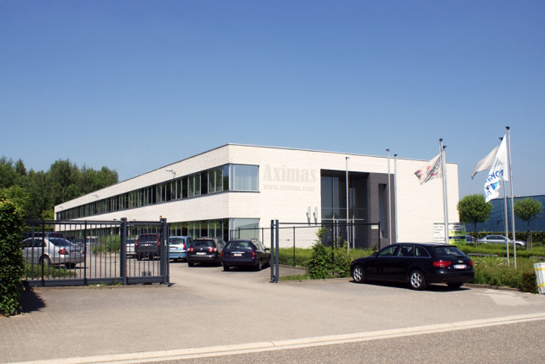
209 310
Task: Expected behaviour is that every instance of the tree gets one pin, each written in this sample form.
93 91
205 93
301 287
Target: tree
527 210
63 182
474 209
8 176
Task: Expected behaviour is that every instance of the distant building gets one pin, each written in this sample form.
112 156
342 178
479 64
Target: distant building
236 187
496 223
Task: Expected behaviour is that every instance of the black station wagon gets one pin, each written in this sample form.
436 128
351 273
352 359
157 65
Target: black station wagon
416 264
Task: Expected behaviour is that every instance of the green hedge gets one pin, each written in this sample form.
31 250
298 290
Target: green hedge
496 272
11 257
500 250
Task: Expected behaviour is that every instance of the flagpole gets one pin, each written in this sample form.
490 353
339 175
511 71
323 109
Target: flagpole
445 200
389 200
512 195
395 197
506 217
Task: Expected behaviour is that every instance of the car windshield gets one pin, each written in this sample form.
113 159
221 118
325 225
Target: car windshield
151 237
203 243
240 245
448 251
60 242
176 240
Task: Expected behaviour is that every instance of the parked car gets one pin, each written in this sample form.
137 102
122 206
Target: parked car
416 264
91 242
469 239
52 251
178 247
147 245
499 239
245 253
131 251
205 250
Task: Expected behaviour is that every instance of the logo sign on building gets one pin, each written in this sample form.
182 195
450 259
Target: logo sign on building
456 232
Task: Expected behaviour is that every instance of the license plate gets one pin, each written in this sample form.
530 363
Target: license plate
459 266
199 253
237 255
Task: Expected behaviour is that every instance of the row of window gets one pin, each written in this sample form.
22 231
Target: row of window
230 177
197 229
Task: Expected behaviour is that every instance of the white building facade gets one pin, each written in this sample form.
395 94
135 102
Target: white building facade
242 188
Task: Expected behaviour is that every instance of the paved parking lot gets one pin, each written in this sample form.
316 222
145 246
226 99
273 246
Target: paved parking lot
207 307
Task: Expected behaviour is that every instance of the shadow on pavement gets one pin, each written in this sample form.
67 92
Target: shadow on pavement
30 301
431 287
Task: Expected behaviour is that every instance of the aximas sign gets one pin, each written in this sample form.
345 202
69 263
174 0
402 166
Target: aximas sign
283 174
289 179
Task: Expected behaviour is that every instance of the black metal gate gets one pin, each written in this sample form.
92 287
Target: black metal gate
72 253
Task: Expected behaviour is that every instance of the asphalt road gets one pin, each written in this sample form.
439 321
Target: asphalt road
512 343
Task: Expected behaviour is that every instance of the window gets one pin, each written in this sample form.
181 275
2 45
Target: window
421 252
405 251
243 177
448 252
388 252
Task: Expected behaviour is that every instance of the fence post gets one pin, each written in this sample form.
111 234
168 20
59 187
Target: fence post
277 251
123 247
294 246
164 251
271 263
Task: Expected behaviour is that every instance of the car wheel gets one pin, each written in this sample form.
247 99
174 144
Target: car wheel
358 274
190 264
225 267
138 257
417 280
70 265
45 260
454 285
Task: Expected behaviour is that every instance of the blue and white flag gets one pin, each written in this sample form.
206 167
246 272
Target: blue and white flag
498 172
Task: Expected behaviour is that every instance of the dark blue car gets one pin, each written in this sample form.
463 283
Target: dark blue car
416 264
245 253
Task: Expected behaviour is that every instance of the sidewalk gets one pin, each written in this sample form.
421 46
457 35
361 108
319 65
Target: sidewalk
206 307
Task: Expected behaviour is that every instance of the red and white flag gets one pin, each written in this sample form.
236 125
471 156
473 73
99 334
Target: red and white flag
430 171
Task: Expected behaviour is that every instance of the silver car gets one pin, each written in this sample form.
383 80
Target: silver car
130 247
52 251
499 239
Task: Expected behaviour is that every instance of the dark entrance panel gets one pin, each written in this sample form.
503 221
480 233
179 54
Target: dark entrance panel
367 202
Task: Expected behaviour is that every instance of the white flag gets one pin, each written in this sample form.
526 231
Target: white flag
499 171
430 171
485 163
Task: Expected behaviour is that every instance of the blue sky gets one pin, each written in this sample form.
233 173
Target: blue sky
136 85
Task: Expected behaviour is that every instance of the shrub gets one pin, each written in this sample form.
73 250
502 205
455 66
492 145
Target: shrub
11 257
341 264
319 265
528 282
496 272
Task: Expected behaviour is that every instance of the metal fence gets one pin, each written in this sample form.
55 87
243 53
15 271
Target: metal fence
349 235
358 235
71 253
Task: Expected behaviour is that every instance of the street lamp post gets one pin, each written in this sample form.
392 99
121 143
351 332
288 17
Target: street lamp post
347 209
